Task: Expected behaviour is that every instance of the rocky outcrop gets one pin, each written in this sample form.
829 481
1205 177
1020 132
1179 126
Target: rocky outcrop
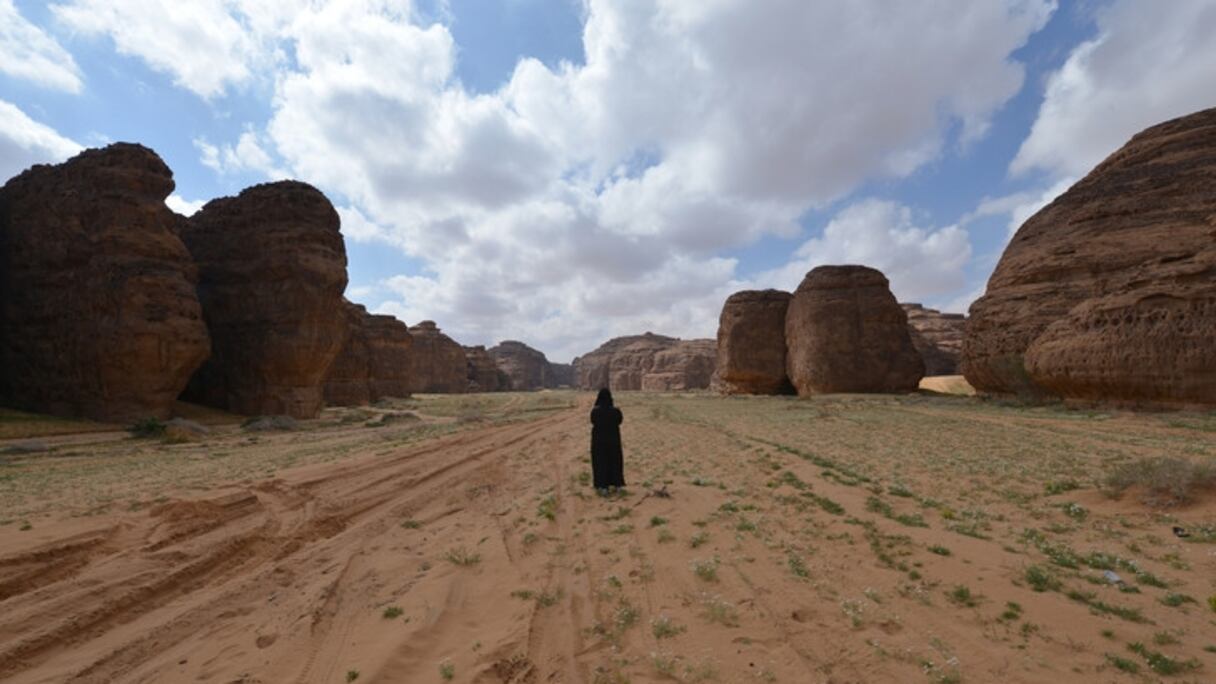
844 332
347 380
437 364
373 363
483 373
1109 292
623 363
390 348
687 365
272 269
751 344
527 368
562 374
98 312
937 336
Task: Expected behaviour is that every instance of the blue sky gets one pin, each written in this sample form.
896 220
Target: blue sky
564 171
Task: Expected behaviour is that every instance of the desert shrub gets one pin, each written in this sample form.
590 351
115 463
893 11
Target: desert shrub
147 428
1164 481
270 424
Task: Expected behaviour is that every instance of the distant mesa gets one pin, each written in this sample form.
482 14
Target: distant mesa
527 368
751 344
1109 293
374 362
98 312
647 362
437 363
841 331
937 336
484 374
844 332
272 269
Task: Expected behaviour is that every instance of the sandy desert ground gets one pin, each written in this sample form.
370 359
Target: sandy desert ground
924 538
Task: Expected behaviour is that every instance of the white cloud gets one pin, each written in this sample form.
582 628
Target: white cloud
1020 206
199 43
1150 62
27 52
585 201
182 205
25 142
248 155
923 264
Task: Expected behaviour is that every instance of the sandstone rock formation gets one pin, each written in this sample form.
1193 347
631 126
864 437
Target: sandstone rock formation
562 374
98 312
483 373
525 367
272 269
751 344
1109 292
844 332
623 363
374 362
437 364
347 380
687 365
937 336
390 348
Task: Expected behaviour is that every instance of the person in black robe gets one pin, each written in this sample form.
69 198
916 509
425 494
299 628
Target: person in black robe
607 461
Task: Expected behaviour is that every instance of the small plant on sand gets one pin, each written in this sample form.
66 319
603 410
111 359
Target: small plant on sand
1165 481
547 599
664 627
1174 600
797 566
706 569
1162 664
961 595
720 611
1123 664
147 428
665 536
411 524
1211 602
392 613
352 675
462 557
1040 579
698 539
939 550
547 508
447 670
657 521
1013 611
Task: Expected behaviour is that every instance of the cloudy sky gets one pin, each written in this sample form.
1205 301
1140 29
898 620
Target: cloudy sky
564 171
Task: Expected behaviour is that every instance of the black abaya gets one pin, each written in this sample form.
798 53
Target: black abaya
607 461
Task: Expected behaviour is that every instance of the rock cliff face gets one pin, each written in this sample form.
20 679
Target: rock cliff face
272 269
623 363
525 367
373 363
687 365
562 374
844 332
751 344
347 380
483 373
937 336
437 364
390 347
1109 292
98 312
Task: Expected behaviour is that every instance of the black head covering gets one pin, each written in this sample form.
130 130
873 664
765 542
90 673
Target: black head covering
604 398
